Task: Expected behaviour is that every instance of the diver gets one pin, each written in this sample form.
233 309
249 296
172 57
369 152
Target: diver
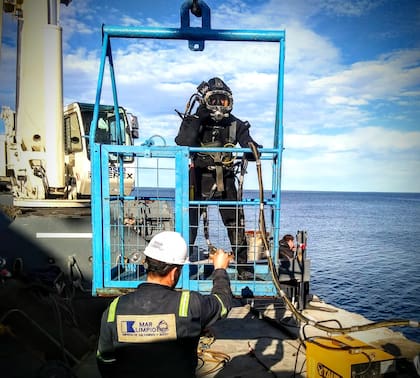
213 174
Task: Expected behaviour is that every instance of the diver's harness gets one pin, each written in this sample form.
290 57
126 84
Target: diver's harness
222 161
239 170
213 161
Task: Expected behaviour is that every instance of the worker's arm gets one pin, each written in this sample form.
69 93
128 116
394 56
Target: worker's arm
105 352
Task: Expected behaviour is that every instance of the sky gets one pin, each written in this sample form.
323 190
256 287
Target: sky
352 80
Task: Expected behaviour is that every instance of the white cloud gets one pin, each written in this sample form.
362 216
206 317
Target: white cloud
373 158
130 21
309 53
74 21
365 140
349 8
7 76
335 172
390 76
322 94
340 100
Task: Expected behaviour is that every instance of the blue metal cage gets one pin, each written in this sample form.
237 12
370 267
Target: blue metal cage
122 222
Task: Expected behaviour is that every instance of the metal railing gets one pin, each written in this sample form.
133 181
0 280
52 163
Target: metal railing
119 238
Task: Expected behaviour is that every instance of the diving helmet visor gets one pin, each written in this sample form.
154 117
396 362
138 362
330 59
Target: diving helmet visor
219 100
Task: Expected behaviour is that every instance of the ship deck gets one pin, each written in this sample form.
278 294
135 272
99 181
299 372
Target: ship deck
260 338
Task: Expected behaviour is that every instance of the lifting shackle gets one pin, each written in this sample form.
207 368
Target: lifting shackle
199 9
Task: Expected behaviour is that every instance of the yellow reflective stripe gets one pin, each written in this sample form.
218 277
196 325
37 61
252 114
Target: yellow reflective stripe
223 312
183 304
112 310
99 357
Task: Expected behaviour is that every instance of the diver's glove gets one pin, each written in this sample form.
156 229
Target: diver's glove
203 113
250 156
188 134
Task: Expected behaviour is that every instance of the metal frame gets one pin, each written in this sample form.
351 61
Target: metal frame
196 37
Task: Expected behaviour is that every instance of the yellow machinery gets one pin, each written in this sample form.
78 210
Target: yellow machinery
346 357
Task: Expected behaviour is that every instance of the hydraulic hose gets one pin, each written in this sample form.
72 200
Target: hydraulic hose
299 316
58 344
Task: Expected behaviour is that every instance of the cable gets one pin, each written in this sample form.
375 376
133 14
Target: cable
42 330
296 360
299 316
57 313
150 142
363 372
205 354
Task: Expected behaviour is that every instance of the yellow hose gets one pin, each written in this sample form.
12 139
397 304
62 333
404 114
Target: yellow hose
299 316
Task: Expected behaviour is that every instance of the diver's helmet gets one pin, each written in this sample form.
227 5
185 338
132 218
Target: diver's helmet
218 99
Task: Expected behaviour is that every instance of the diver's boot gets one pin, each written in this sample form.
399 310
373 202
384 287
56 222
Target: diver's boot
245 271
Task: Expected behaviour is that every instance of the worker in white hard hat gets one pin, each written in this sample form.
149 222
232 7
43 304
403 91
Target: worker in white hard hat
154 331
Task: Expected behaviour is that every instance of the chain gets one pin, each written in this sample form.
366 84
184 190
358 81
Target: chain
195 8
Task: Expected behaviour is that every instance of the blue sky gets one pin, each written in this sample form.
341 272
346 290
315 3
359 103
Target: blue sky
352 81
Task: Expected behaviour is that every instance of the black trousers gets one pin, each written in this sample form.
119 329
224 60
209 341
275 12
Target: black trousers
203 181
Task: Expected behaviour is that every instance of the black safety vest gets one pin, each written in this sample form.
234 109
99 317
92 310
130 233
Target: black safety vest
159 324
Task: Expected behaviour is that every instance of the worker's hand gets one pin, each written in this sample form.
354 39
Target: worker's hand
220 259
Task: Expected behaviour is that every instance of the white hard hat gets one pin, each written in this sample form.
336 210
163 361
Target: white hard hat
168 247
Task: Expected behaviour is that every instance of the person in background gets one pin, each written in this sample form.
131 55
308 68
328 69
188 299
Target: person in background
154 331
212 175
286 251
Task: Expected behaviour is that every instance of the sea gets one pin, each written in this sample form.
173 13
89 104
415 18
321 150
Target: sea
364 250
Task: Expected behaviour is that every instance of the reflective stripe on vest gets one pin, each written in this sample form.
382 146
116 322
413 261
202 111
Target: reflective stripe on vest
183 304
223 311
105 360
183 307
112 310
